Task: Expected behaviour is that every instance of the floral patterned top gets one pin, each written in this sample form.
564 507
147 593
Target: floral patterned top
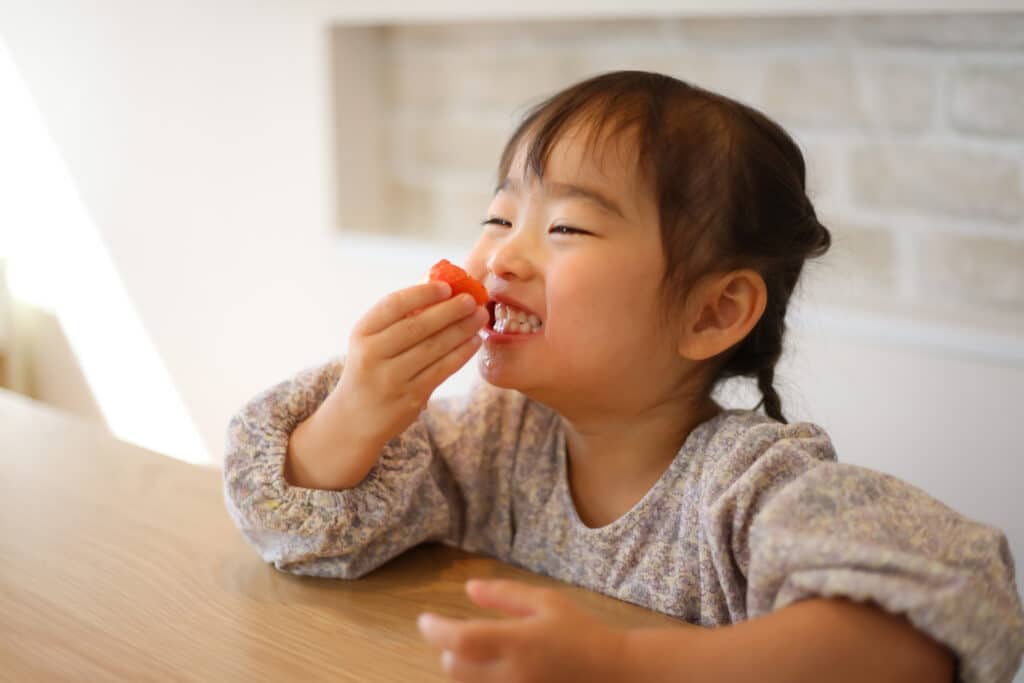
752 515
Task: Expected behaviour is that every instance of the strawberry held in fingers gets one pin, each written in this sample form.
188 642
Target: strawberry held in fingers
460 280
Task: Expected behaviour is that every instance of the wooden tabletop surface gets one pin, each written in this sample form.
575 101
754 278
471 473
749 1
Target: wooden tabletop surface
117 563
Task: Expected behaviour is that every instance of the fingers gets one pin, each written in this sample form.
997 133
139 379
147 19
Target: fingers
437 347
422 329
510 597
431 377
474 640
468 671
398 305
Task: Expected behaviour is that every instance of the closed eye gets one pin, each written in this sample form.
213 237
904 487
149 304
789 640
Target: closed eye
566 230
555 229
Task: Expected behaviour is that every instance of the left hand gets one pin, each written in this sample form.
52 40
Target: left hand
548 638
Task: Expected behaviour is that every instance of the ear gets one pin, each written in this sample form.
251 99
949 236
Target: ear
721 311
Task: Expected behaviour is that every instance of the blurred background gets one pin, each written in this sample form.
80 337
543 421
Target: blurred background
198 200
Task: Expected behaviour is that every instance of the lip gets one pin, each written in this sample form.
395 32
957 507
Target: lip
502 299
491 336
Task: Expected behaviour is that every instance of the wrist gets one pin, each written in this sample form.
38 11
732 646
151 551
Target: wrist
636 655
326 451
663 654
348 430
626 662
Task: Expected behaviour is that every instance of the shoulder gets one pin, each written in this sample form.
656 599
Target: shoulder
745 448
747 434
487 411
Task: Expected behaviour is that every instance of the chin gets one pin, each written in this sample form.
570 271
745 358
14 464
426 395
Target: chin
495 376
504 377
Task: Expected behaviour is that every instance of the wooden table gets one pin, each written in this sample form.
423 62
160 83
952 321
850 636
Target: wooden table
117 563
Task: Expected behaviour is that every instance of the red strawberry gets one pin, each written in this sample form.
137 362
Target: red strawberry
460 280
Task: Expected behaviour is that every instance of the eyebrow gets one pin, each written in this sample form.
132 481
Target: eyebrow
567 190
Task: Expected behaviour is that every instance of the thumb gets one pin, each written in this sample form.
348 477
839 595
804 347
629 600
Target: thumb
511 597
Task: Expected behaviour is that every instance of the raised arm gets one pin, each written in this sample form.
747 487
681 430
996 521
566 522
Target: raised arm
342 534
334 472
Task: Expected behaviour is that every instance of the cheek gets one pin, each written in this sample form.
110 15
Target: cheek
586 301
476 261
616 305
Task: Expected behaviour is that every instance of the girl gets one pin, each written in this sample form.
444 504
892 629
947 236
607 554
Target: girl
642 245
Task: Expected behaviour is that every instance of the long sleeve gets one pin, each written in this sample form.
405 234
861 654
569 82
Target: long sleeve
410 496
793 524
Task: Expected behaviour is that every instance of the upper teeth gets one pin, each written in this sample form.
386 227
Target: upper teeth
510 320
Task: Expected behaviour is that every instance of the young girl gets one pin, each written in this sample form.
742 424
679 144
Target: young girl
642 245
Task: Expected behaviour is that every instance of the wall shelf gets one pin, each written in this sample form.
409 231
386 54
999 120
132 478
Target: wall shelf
402 12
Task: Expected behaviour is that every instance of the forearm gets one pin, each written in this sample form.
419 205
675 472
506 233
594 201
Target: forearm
812 640
325 452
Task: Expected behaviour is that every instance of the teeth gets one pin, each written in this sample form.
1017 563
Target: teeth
509 320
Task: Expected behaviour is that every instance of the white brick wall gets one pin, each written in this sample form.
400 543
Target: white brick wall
944 180
986 98
913 128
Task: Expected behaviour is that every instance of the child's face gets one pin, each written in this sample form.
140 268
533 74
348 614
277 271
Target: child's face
601 344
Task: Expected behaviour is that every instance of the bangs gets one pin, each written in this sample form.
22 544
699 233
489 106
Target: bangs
604 115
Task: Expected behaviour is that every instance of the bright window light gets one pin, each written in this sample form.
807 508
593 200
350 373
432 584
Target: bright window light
56 260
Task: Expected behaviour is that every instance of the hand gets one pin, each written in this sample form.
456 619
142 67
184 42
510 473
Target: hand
399 352
548 639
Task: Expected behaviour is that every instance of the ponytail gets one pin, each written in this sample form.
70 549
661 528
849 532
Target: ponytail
769 397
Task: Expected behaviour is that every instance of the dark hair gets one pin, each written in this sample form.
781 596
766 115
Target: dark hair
730 189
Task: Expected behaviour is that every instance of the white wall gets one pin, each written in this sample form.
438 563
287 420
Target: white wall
200 141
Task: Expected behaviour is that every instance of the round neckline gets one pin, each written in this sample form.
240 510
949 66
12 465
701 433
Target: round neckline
681 457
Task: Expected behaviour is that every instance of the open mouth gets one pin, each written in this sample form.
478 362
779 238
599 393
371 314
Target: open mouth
507 319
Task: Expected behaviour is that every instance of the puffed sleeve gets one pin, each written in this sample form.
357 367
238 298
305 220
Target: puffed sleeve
409 497
801 525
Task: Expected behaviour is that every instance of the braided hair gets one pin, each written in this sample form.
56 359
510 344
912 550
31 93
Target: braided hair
730 187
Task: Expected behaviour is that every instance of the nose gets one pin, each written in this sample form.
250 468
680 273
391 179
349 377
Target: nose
512 257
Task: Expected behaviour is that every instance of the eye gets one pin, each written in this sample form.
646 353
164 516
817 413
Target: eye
566 230
494 220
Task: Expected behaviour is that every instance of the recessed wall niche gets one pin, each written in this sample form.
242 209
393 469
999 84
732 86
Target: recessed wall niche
422 113
914 156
